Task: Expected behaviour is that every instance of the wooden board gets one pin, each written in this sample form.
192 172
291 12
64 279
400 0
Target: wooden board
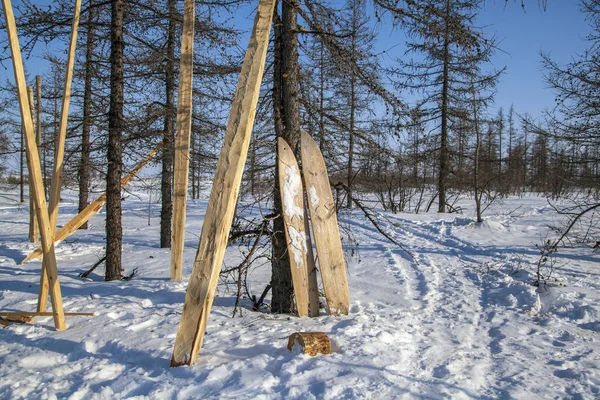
292 203
325 226
33 223
92 209
59 148
224 193
183 132
313 286
35 170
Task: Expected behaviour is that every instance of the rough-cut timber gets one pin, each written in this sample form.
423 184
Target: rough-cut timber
292 202
313 286
182 140
35 170
59 152
33 223
224 193
311 343
91 210
325 226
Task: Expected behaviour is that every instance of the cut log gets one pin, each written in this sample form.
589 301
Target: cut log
182 140
324 222
34 168
292 201
59 150
311 343
224 194
92 209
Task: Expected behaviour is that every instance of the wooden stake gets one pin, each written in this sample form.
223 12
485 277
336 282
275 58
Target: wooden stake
35 169
88 212
33 223
43 314
224 193
325 226
292 199
59 149
182 140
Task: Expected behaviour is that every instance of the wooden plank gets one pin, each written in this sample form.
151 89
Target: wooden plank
44 287
34 168
325 226
33 223
292 201
313 285
59 148
92 209
224 193
183 132
10 314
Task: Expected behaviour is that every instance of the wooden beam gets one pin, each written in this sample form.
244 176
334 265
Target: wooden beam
34 168
59 149
10 314
88 212
182 140
33 223
224 193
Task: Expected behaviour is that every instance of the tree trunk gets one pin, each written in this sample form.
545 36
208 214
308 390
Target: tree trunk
114 233
84 163
281 278
166 184
443 169
22 168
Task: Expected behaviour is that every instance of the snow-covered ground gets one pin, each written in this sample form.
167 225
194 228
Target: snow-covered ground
459 320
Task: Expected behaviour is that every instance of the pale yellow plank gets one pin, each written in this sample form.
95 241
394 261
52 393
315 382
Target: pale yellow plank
325 226
88 212
34 168
292 199
224 193
182 140
59 149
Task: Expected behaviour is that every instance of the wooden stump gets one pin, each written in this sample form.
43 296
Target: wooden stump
312 343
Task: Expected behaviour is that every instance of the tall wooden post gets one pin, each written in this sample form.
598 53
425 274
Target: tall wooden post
35 168
223 196
182 140
59 151
33 224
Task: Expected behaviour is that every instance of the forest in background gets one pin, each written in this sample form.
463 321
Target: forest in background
409 136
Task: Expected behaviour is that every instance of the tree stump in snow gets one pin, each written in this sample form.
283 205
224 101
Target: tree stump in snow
311 343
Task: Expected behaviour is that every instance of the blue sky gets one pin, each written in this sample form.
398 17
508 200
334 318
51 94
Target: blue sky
559 30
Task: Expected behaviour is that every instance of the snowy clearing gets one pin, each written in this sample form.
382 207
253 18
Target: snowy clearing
460 320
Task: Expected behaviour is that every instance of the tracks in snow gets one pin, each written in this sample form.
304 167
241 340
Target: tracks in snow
442 306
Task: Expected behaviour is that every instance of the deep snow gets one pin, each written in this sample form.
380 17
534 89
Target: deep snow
460 320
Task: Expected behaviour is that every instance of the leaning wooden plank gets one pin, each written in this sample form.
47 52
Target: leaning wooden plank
313 286
224 193
56 181
325 226
34 169
292 199
33 223
182 140
88 212
59 148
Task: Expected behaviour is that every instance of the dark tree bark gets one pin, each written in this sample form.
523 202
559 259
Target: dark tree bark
166 185
114 232
443 171
287 125
84 163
